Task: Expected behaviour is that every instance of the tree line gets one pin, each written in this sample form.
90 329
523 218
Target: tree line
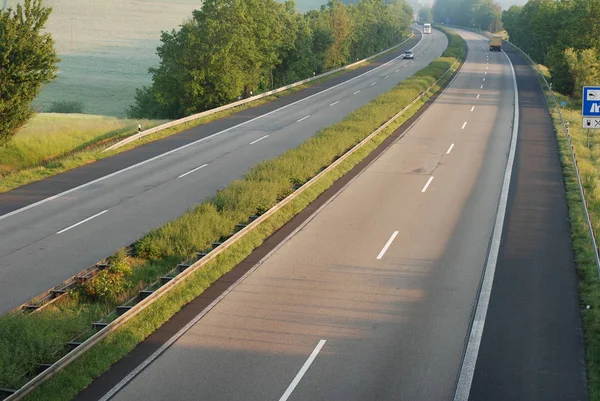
562 35
482 14
234 48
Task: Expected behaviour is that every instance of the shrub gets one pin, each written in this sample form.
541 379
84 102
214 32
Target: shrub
66 107
108 284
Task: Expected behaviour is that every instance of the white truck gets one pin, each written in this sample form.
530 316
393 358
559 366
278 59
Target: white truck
426 28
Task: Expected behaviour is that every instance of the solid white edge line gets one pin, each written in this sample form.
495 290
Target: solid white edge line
334 103
387 245
82 221
427 185
259 139
87 184
192 171
303 118
463 387
464 125
450 149
302 371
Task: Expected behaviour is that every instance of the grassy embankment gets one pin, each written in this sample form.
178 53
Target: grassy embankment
588 161
26 341
51 144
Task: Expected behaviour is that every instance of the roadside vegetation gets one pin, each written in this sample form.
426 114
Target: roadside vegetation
561 35
26 341
275 46
480 14
52 142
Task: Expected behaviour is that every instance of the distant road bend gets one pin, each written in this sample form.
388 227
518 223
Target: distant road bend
372 298
55 228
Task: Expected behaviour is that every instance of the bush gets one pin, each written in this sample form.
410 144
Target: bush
107 285
66 107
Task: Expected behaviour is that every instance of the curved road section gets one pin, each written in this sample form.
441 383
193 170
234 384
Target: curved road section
118 200
372 298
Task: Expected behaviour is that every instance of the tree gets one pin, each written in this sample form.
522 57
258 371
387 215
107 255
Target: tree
425 15
237 47
583 66
27 61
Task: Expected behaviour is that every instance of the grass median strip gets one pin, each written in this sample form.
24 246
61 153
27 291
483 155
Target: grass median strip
588 161
26 341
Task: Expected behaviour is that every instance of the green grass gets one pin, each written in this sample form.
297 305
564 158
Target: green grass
588 160
48 136
215 219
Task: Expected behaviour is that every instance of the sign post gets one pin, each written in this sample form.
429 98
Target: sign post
590 109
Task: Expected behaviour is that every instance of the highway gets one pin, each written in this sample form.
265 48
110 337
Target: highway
53 229
372 299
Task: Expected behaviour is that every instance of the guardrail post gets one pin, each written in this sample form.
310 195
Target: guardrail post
122 309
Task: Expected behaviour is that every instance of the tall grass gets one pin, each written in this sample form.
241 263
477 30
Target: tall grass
51 135
213 220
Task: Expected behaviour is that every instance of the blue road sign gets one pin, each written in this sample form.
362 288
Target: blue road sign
590 107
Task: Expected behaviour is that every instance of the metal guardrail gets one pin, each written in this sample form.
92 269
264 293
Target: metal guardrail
565 126
80 349
49 297
244 101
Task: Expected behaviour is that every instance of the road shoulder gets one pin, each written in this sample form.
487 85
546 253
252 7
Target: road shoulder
532 346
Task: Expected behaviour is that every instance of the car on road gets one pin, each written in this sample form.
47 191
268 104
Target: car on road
409 54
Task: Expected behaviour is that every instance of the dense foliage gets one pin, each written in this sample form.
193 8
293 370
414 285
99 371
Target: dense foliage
425 15
27 61
482 14
233 48
563 35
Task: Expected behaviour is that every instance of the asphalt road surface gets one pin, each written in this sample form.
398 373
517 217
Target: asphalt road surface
533 346
372 299
41 244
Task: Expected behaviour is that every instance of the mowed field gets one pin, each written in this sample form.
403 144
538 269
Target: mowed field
107 46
